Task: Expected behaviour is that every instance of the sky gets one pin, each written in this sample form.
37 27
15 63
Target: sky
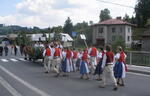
48 13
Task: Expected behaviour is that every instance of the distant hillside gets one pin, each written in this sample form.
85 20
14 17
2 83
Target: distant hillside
15 29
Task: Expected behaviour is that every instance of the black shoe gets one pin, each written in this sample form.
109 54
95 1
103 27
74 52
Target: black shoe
46 72
64 75
57 75
81 77
87 78
121 85
115 88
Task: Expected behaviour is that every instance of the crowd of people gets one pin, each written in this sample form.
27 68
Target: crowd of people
102 63
4 49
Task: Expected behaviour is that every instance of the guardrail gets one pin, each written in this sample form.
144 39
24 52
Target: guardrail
140 58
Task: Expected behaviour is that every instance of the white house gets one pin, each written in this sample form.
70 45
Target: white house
66 39
107 32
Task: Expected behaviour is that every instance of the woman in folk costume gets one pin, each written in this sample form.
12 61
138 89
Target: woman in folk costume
63 62
84 65
98 70
107 67
79 59
69 56
74 60
120 67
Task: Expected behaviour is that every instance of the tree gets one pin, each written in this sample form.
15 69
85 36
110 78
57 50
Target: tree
142 10
83 28
126 18
68 26
105 15
118 42
22 39
133 20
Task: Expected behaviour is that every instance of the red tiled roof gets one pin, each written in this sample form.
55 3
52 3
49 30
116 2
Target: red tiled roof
114 22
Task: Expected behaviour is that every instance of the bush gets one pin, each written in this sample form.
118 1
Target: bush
118 42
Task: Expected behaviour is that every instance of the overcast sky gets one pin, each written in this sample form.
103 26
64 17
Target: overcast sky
45 13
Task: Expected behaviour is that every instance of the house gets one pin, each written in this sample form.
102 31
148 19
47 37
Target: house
12 36
36 37
66 40
146 40
107 32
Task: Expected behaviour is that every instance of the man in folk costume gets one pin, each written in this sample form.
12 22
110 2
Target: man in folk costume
107 66
84 65
57 60
120 67
69 56
75 57
47 54
93 54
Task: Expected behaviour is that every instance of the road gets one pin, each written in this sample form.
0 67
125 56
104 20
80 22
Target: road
24 78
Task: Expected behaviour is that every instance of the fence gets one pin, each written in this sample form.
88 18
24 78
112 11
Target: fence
138 58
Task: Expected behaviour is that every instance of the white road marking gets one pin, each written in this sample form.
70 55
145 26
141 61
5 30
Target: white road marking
4 60
13 91
36 90
139 74
13 60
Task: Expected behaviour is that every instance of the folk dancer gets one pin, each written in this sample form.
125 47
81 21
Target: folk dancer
79 59
69 56
63 62
98 70
84 70
107 66
120 68
74 61
47 54
57 61
93 61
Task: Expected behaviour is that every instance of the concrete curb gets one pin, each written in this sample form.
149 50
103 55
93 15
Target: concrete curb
139 71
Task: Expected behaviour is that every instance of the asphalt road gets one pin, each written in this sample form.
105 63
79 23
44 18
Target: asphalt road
25 78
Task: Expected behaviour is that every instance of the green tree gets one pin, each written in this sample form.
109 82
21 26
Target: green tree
118 42
105 15
83 28
133 20
68 26
142 10
22 38
126 18
58 29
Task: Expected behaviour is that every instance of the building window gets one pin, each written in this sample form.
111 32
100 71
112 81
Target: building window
128 38
129 30
113 38
121 30
113 30
100 31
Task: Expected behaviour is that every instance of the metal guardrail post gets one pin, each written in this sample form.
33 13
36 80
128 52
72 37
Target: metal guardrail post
130 58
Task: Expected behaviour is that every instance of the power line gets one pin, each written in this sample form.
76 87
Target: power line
116 4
